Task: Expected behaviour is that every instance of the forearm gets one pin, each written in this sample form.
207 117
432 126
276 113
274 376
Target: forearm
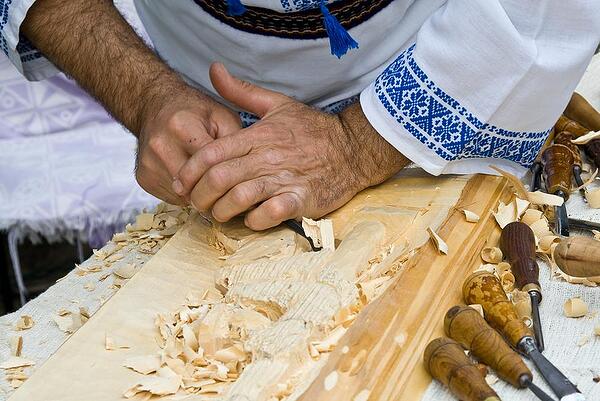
383 159
90 41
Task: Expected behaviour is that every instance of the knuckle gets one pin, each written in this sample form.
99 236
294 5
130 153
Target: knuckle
216 178
156 143
212 154
241 195
176 123
278 210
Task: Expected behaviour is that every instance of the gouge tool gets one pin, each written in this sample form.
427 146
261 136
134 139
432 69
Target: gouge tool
466 326
446 362
578 256
564 138
485 289
536 168
517 243
557 161
584 225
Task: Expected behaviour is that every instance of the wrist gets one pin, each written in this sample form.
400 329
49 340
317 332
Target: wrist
375 160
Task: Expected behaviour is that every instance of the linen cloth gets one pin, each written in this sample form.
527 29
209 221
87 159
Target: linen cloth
455 85
66 167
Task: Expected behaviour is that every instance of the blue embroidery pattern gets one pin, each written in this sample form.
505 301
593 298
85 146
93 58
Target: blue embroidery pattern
290 6
25 48
443 124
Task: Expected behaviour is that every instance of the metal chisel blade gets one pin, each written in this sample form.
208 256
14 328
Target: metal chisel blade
535 317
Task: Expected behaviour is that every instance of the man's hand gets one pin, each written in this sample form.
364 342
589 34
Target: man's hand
170 136
296 161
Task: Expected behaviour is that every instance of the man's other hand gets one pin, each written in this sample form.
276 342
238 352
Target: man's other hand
173 132
296 161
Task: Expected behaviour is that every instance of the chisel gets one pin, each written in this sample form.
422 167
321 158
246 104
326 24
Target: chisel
584 225
578 256
564 138
297 228
581 111
566 124
557 161
485 289
536 168
466 326
517 243
446 362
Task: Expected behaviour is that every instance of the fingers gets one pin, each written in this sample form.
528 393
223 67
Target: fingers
274 211
242 197
222 149
221 178
245 95
156 181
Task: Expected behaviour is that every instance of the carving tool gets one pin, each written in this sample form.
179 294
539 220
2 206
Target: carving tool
584 225
536 168
557 161
580 110
485 289
297 228
446 362
564 138
466 326
578 256
566 124
517 243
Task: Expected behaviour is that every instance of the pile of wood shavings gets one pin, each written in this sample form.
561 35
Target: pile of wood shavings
272 318
14 367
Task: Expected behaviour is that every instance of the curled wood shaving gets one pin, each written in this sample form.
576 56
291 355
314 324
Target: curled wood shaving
515 182
25 322
470 216
575 307
502 268
505 214
531 216
507 279
329 343
438 241
165 383
593 198
16 345
590 136
541 228
491 255
587 182
125 271
321 232
546 242
542 198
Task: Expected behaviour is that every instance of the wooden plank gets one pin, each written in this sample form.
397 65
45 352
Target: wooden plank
83 369
412 308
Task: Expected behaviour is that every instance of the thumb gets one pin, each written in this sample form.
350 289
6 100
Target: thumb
243 94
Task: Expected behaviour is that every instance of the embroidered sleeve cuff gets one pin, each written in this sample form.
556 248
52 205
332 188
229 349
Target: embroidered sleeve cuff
435 131
24 56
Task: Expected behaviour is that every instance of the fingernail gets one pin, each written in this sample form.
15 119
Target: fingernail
177 187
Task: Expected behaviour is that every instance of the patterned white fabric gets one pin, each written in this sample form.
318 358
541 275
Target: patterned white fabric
66 167
484 83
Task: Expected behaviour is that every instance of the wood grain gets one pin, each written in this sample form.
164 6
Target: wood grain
558 168
517 243
466 326
578 256
83 369
412 309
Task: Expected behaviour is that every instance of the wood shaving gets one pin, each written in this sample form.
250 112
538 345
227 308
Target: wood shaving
531 216
491 379
143 364
541 229
575 307
515 182
505 214
545 244
125 271
502 268
491 255
16 362
583 341
590 136
507 279
470 216
69 322
596 235
25 322
522 303
165 383
16 345
542 198
478 308
143 222
321 232
90 286
593 198
442 247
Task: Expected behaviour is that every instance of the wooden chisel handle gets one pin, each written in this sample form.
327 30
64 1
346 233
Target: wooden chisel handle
583 112
446 361
558 169
517 243
578 256
485 289
465 325
564 138
566 124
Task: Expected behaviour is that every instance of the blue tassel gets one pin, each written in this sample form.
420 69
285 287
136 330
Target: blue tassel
340 40
235 8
